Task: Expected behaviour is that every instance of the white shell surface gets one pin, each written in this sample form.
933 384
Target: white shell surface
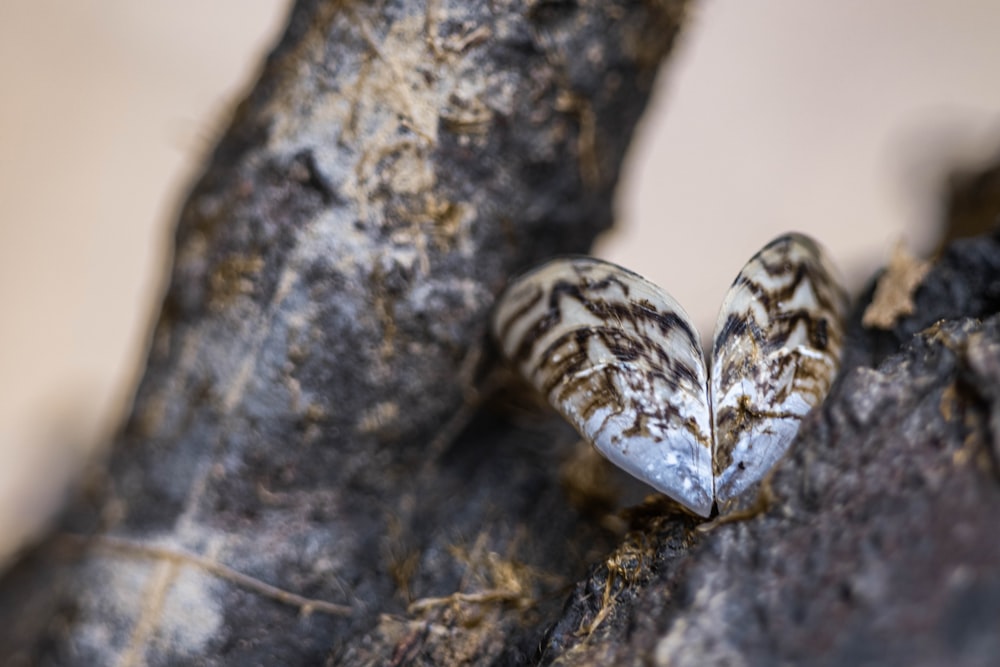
619 358
776 351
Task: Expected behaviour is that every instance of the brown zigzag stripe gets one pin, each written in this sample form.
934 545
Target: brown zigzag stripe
619 358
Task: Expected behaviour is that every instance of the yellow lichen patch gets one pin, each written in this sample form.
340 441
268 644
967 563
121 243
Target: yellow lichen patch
438 642
432 220
976 445
973 450
378 416
894 293
314 412
403 559
586 147
150 416
448 220
949 402
382 307
625 568
490 579
234 277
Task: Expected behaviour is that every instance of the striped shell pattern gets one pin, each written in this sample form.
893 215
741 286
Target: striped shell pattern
620 359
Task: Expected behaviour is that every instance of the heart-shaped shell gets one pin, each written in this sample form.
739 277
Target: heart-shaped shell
620 359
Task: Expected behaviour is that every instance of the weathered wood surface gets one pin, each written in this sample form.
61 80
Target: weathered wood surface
289 480
304 420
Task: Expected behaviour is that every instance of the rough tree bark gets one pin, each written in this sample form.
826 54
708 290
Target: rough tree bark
310 475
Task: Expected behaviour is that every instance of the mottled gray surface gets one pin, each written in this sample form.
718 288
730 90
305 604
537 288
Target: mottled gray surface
325 323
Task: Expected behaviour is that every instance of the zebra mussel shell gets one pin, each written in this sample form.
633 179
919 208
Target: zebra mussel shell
620 359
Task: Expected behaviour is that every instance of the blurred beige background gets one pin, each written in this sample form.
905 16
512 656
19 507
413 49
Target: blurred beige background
838 119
